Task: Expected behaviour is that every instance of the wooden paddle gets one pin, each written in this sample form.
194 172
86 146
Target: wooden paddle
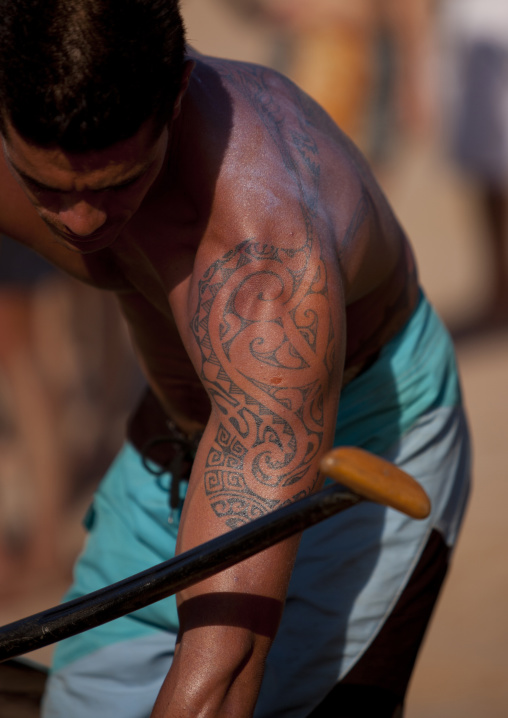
361 475
377 480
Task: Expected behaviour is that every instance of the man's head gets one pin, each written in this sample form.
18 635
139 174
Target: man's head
85 74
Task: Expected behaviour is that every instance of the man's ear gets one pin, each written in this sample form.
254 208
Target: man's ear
188 67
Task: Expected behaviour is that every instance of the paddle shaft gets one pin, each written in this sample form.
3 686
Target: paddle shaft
169 577
362 475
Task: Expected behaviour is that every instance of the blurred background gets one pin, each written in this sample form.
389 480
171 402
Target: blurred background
422 87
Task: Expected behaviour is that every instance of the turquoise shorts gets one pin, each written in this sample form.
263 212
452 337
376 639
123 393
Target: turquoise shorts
350 569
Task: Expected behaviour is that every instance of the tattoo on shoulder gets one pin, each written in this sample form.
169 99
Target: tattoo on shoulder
360 215
267 347
292 134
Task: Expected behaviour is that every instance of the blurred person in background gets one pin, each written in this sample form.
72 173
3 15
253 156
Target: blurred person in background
365 62
474 46
61 347
31 460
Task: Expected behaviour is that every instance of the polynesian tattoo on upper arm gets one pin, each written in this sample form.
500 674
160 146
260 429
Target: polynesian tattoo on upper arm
268 355
266 369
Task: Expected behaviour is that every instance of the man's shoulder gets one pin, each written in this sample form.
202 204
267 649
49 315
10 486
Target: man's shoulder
228 68
285 170
241 91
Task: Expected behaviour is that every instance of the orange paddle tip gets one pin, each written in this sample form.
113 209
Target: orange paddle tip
377 480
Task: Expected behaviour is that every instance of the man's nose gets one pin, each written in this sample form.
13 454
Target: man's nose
82 217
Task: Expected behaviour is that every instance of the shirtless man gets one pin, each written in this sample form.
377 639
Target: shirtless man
262 274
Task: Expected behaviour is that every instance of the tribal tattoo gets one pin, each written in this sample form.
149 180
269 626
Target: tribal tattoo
264 329
259 368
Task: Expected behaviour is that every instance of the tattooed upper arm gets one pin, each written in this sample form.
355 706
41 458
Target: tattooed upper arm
268 359
267 324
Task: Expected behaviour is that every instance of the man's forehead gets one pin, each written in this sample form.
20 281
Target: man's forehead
141 143
54 168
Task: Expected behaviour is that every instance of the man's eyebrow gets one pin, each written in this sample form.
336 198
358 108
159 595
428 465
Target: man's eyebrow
48 188
31 180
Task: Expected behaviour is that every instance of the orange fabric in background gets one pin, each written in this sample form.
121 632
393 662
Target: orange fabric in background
334 64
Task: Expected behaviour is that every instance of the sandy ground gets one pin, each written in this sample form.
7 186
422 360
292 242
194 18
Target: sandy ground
461 671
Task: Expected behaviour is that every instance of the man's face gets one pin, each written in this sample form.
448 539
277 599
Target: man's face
86 199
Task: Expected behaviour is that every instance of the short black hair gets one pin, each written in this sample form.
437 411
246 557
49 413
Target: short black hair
84 74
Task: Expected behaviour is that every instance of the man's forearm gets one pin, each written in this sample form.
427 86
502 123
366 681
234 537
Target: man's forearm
219 662
202 683
227 625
